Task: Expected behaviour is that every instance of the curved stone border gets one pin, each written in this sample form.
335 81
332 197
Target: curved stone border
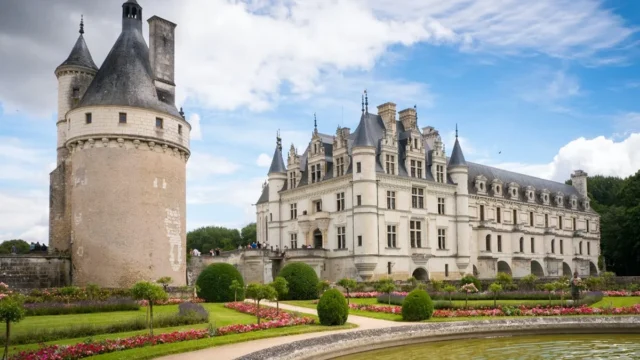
331 346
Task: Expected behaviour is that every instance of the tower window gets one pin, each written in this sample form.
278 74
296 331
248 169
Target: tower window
522 245
531 218
358 167
122 119
159 123
440 173
415 233
391 236
359 199
441 206
359 240
87 118
391 164
560 222
533 245
180 129
515 216
499 243
442 239
481 212
498 215
546 220
75 92
446 270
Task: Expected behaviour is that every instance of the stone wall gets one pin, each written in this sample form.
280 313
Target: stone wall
254 265
35 271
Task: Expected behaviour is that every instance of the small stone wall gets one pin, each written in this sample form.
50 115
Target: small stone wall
255 265
35 271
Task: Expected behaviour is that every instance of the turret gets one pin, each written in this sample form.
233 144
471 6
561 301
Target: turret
277 177
74 76
459 173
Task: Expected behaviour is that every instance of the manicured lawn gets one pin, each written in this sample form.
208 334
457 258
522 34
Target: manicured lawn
614 301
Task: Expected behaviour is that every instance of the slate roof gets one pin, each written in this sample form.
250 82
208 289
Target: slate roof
457 157
80 55
126 78
366 134
277 164
264 197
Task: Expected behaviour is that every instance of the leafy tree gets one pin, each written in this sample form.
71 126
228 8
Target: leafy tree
437 285
235 287
22 247
495 289
11 311
211 237
449 289
248 234
144 290
323 286
347 284
549 288
386 286
529 281
468 289
165 281
282 289
259 292
504 279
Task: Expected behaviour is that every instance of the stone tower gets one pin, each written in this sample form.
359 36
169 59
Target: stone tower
459 172
118 193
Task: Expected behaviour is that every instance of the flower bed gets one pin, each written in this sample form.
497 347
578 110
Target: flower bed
510 311
172 301
621 293
267 313
372 294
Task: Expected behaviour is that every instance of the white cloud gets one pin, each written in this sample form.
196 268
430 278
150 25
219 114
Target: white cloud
24 163
238 193
196 132
202 165
263 160
24 215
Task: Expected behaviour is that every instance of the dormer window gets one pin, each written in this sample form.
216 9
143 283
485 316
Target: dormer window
316 173
544 196
514 189
482 186
390 162
559 199
496 185
574 202
586 204
480 183
339 166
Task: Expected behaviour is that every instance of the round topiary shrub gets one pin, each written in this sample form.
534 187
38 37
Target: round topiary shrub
302 280
417 306
333 308
214 282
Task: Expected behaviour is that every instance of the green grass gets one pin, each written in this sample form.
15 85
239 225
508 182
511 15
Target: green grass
617 301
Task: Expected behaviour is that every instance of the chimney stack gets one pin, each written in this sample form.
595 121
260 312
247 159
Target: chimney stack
409 118
387 112
162 57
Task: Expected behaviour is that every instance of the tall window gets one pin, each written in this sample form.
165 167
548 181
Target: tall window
159 123
179 129
391 200
515 216
316 173
293 211
546 220
587 225
580 247
359 200
122 118
391 236
339 166
416 169
574 224
588 248
358 167
440 173
553 246
417 198
294 241
391 164
318 205
87 118
419 169
522 245
446 270
342 238
499 243
487 243
442 239
481 212
441 206
498 215
531 218
359 240
292 180
416 233
561 247
560 222
533 245
340 201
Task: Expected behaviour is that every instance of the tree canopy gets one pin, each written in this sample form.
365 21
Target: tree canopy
21 246
211 237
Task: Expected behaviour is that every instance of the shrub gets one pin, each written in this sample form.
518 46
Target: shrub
437 285
302 280
215 281
81 307
391 299
417 306
470 279
188 309
529 281
333 308
259 292
385 286
144 290
347 284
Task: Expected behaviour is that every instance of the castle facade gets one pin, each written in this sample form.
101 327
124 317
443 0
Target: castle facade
118 191
386 200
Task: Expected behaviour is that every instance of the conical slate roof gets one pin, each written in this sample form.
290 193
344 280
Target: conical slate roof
277 164
80 55
365 133
457 157
126 78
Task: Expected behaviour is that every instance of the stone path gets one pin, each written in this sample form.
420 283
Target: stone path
232 351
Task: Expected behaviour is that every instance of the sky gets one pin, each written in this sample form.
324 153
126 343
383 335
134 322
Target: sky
542 88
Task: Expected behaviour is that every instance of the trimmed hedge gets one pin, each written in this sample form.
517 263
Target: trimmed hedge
417 306
214 282
81 307
302 280
333 308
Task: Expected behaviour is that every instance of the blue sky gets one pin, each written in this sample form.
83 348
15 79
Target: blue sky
541 87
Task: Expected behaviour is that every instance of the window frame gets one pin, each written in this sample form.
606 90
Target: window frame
391 200
442 239
122 118
341 232
392 236
415 233
159 121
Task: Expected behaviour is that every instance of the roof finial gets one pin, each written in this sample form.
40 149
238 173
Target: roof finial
315 122
456 130
362 104
278 140
81 24
366 102
415 108
181 112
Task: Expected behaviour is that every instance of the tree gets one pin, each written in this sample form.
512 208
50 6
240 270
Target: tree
468 289
235 287
386 286
281 287
529 281
144 290
211 237
437 285
495 288
323 286
259 292
347 284
22 246
449 289
549 288
11 311
248 234
165 281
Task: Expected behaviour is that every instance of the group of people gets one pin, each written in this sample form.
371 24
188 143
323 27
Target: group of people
255 245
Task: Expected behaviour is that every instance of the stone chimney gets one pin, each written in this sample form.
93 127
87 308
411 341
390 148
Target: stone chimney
409 119
387 112
162 58
579 181
346 132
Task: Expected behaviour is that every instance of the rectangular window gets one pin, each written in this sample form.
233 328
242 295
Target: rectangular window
87 118
122 118
499 243
359 240
342 238
391 236
359 200
318 205
390 164
413 168
442 239
561 247
587 225
292 179
531 218
76 92
481 212
340 201
440 173
560 222
588 248
159 123
358 167
515 216
446 270
419 169
487 243
293 210
533 245
522 245
498 215
440 206
318 173
546 220
339 166
580 247
179 129
574 224
415 233
553 246
391 200
294 241
417 198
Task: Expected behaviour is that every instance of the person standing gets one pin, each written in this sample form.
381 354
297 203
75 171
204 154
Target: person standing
575 287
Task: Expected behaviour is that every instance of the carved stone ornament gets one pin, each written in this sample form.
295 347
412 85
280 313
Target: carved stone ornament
136 143
91 142
121 142
164 148
152 145
105 142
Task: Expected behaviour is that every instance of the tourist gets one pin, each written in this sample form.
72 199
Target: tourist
44 247
239 247
212 253
217 251
14 251
254 245
37 247
575 287
32 246
259 245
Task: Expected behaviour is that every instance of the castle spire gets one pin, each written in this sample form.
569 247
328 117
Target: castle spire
366 102
81 24
456 130
362 104
277 163
457 157
315 122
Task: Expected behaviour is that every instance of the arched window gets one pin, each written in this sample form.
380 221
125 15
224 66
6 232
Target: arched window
522 244
553 246
488 243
